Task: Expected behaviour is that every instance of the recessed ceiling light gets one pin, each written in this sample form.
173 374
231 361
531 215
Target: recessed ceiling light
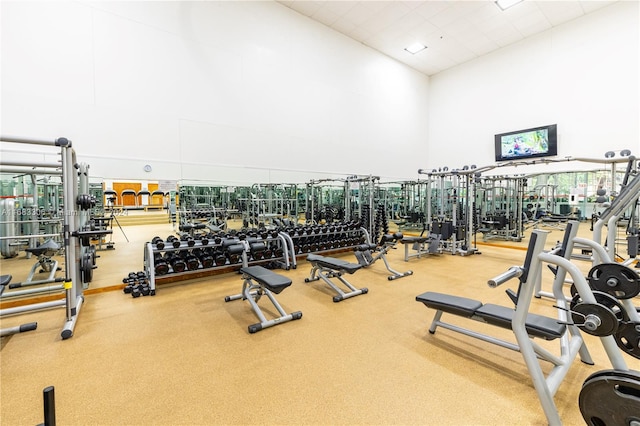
415 48
505 4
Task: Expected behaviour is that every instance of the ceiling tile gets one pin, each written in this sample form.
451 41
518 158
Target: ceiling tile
325 16
454 31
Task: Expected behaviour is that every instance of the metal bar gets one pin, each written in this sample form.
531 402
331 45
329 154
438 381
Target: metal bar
56 142
29 171
32 307
31 164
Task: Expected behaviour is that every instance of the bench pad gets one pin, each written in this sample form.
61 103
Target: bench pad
267 278
333 263
411 240
536 325
456 305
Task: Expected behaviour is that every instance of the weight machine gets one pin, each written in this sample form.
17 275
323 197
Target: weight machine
450 208
76 259
500 212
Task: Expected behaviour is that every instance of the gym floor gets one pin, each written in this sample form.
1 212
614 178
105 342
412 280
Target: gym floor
185 356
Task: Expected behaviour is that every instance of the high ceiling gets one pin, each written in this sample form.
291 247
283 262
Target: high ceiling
453 31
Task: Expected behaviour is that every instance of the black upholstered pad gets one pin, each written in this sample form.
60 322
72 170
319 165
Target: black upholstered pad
267 278
536 325
411 240
48 248
365 247
333 263
461 306
391 237
5 279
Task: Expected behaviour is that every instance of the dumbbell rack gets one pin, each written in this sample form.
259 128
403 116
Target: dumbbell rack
283 256
327 238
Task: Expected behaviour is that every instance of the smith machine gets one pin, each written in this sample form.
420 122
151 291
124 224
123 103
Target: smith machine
77 233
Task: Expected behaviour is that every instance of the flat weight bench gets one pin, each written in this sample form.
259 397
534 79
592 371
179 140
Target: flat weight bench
258 281
326 268
501 316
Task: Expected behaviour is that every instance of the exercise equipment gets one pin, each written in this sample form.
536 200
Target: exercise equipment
527 326
368 254
4 282
327 268
74 174
259 281
611 397
421 246
178 258
44 263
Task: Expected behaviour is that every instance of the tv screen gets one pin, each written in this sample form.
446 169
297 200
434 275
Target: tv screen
528 143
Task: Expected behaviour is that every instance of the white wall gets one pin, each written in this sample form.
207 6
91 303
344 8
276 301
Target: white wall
222 91
583 75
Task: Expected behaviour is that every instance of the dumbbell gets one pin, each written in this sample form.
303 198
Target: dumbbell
177 263
206 258
219 258
173 240
189 239
160 265
158 243
190 260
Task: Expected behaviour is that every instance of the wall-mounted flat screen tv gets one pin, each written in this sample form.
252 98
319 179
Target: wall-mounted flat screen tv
528 143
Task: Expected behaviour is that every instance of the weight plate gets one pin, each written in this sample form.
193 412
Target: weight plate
594 319
615 279
611 398
628 338
86 268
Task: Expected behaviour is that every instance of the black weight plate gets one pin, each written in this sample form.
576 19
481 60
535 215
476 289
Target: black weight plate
628 338
611 398
615 279
607 324
86 268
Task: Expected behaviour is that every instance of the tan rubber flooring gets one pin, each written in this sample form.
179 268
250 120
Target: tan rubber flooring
185 357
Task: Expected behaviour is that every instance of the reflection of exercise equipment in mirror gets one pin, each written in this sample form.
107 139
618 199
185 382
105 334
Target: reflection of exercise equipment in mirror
77 233
8 331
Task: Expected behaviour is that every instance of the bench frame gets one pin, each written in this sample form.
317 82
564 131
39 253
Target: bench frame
253 290
327 268
571 343
366 258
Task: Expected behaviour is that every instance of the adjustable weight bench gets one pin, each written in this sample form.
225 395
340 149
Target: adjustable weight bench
258 281
326 268
366 258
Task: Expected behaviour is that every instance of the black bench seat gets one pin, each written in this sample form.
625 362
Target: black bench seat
456 305
333 263
501 316
536 325
414 239
267 278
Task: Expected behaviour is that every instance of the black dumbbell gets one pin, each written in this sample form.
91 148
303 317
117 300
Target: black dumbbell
158 243
173 240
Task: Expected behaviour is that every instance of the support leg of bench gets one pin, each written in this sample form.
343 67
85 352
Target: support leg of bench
264 322
435 322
